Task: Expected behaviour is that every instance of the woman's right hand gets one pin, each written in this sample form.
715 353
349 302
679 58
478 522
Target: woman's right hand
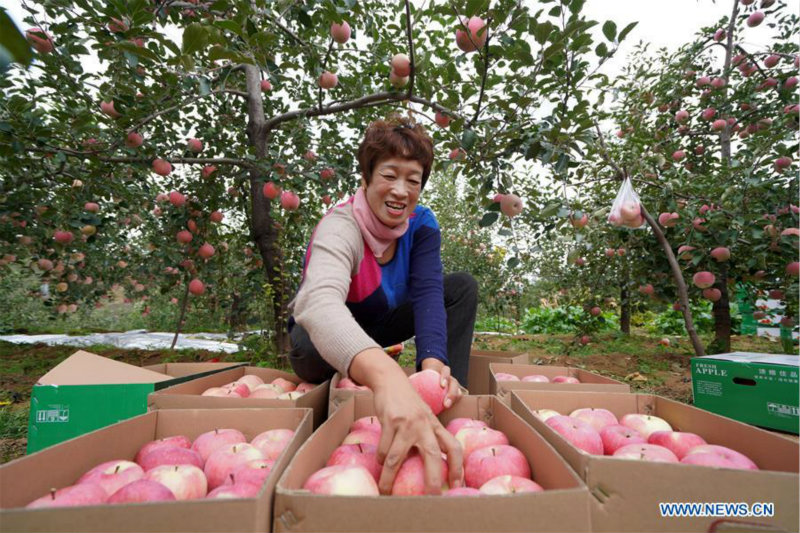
406 422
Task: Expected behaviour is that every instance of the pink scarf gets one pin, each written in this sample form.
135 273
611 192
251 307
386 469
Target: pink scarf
378 235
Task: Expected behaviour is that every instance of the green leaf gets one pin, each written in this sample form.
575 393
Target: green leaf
195 37
512 262
610 30
488 219
625 31
13 41
550 210
601 50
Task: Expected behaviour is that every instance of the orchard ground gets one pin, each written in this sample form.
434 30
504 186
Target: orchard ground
637 359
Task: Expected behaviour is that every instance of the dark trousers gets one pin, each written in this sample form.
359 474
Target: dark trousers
460 304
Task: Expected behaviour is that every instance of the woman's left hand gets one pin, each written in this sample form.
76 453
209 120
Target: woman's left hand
448 381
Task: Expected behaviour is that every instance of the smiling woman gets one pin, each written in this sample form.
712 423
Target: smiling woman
373 277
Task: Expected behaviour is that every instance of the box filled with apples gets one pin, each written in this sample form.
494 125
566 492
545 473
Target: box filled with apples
479 361
246 386
87 391
503 378
514 480
167 470
635 451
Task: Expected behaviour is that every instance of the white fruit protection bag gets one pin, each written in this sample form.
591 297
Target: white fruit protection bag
627 208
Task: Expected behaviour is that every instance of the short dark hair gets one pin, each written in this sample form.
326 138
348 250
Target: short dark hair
397 136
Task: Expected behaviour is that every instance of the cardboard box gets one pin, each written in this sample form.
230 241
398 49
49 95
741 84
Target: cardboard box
626 493
760 389
27 478
479 361
87 391
562 507
339 397
589 381
188 395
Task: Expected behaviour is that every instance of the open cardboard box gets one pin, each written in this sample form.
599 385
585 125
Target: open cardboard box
626 493
479 361
87 391
27 478
188 395
563 506
338 396
589 381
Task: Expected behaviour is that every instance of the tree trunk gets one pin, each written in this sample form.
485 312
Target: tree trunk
184 305
722 315
263 231
625 308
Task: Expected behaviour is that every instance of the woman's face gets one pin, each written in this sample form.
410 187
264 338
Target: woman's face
393 192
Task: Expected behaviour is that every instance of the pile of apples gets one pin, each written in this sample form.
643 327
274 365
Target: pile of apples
252 386
535 378
217 464
640 437
491 465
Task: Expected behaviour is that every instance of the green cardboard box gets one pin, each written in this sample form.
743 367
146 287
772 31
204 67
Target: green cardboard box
756 388
87 391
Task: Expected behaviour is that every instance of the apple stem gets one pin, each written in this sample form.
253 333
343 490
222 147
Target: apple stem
53 493
494 452
116 469
233 480
176 468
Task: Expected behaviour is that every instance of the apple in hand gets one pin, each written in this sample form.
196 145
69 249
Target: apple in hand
272 442
342 480
645 424
428 384
187 482
719 456
363 454
410 479
678 442
617 436
457 424
171 455
474 438
176 440
510 485
492 461
210 441
112 475
142 490
645 452
72 496
597 418
225 460
578 433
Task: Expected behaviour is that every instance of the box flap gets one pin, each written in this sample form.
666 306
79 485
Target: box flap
85 368
751 357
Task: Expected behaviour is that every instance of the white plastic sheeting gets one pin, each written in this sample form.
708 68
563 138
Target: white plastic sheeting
140 338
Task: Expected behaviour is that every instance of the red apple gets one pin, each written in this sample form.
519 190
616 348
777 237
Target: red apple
645 424
271 190
349 384
241 389
578 433
721 254
328 80
457 424
272 442
363 454
474 438
290 395
108 109
215 216
366 436
72 496
342 480
755 18
617 436
681 116
327 173
184 236
441 119
503 376
177 199
718 456
428 384
162 167
284 384
237 490
177 440
597 418
510 485
63 237
340 32
210 441
712 294
472 34
678 442
221 392
305 386
223 461
703 279
266 85
194 145
401 65
142 490
251 380
511 205
492 461
410 479
40 40
112 475
645 452
208 170
196 287
565 379
187 482
289 200
535 378
370 423
170 455
255 472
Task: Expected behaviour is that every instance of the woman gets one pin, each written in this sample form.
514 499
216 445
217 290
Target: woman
372 278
